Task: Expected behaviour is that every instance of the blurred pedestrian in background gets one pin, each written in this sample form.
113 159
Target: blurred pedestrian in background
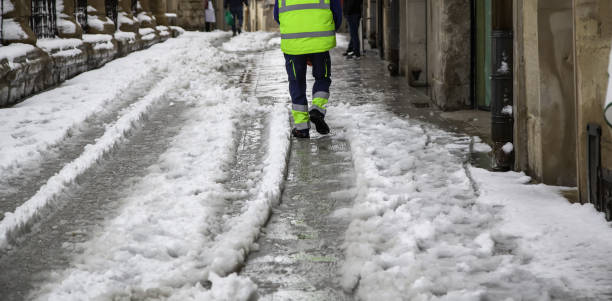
209 15
235 8
352 11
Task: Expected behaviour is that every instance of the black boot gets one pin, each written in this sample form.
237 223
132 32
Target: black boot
305 134
318 119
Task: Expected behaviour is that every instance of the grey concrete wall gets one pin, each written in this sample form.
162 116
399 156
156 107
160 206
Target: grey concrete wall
593 33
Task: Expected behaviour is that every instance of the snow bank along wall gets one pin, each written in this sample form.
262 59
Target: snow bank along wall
47 41
560 51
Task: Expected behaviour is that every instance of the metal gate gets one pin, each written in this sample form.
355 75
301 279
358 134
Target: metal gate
599 179
134 7
43 21
80 13
111 10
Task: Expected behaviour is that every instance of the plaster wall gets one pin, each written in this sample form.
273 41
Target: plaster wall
557 96
449 46
593 33
413 33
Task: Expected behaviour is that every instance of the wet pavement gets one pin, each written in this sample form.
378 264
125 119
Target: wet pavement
300 249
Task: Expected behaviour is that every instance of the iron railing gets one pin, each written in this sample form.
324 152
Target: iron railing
43 19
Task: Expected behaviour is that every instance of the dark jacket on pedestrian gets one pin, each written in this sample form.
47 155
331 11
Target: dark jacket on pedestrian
352 7
235 3
336 8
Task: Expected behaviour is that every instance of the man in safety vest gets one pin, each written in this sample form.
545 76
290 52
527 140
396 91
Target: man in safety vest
308 32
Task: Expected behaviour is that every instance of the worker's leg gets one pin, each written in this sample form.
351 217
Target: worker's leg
296 71
321 71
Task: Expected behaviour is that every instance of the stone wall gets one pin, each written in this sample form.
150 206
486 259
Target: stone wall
30 69
190 14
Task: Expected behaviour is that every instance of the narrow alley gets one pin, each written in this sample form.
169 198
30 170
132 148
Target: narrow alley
171 174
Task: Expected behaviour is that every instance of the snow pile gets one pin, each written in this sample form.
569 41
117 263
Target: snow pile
63 25
251 41
147 34
165 239
60 47
11 30
125 36
43 120
423 229
13 51
556 239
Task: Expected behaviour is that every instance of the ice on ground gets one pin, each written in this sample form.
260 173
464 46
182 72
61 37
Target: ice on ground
426 226
251 41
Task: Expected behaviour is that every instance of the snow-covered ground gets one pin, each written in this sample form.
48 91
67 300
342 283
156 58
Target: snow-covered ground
428 226
425 225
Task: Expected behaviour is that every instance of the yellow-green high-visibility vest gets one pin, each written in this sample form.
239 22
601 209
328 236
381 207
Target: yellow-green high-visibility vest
306 26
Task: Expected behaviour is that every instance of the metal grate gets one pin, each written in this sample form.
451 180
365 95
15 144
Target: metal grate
111 10
80 13
43 17
134 7
599 179
606 192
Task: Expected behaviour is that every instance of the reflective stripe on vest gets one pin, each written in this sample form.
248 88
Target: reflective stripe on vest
307 26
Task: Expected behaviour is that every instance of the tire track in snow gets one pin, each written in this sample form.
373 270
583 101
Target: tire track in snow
22 182
15 223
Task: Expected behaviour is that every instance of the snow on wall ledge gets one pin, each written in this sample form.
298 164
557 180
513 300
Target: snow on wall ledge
27 70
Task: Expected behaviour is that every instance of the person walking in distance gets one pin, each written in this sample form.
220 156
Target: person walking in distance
235 7
308 32
209 15
352 11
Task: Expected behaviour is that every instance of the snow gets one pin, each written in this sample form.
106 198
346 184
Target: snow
252 41
122 18
144 18
178 200
507 110
427 226
482 148
12 30
15 50
42 120
608 103
50 45
63 25
125 36
97 38
170 15
7 7
146 31
508 147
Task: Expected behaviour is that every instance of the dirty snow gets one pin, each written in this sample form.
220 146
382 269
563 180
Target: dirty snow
427 226
162 245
